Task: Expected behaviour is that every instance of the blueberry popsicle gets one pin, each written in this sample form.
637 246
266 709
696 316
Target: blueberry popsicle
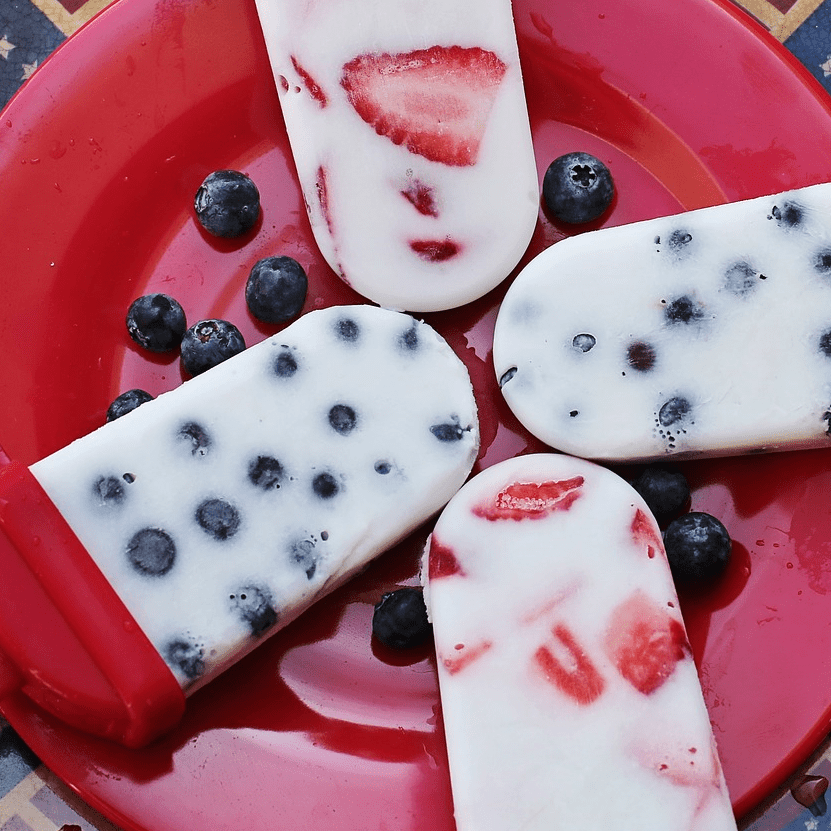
569 694
409 130
221 510
707 333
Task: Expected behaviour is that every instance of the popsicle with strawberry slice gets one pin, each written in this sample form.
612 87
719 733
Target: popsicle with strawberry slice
409 131
569 694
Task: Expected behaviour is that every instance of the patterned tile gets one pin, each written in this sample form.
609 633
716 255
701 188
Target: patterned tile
16 760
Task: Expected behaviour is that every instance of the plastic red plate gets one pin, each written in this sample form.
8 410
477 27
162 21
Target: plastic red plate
100 156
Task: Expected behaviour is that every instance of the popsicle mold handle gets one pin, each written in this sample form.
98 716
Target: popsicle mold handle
66 639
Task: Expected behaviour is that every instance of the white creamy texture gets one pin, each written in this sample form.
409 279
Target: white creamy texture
753 363
411 444
549 588
489 208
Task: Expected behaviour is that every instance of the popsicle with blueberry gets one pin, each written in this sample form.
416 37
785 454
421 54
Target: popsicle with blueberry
569 694
410 135
170 542
706 333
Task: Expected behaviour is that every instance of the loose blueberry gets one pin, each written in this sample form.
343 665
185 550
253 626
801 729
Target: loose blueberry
674 410
156 322
227 203
218 518
325 485
343 419
285 364
577 188
683 310
303 554
265 472
255 605
151 551
664 489
276 289
400 619
186 656
347 330
208 343
641 356
584 342
698 547
195 437
126 403
108 491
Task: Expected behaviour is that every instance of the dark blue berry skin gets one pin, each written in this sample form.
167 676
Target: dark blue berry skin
304 555
227 203
109 491
255 606
577 188
698 548
276 289
266 473
208 343
343 419
186 656
665 490
196 438
218 518
127 402
325 485
156 322
400 619
285 364
151 551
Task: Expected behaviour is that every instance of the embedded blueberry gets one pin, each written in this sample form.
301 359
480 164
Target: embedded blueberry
126 403
227 203
156 322
186 656
584 342
822 261
265 472
276 289
506 376
347 330
285 364
679 241
577 187
208 343
673 411
151 551
664 489
825 343
325 485
383 467
698 547
109 491
255 606
683 310
399 619
409 339
342 419
218 518
196 437
741 278
641 356
303 553
448 432
789 215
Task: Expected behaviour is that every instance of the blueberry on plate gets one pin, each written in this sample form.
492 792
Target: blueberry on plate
227 203
400 619
156 322
577 188
127 402
698 548
276 289
208 343
664 489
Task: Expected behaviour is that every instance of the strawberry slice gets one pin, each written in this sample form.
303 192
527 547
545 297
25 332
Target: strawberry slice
441 561
574 674
531 500
645 642
435 101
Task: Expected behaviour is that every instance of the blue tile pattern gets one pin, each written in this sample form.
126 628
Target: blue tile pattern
811 44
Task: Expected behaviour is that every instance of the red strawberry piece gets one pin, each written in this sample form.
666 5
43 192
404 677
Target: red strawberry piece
313 87
645 532
435 101
531 500
422 197
435 251
645 642
441 561
576 676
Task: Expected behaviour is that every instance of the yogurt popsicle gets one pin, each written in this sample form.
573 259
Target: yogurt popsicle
569 695
221 510
707 333
409 130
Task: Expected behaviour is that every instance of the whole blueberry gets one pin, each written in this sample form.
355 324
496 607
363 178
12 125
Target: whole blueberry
255 606
400 619
276 289
187 656
208 343
577 188
227 203
156 322
218 518
664 489
151 551
127 402
698 547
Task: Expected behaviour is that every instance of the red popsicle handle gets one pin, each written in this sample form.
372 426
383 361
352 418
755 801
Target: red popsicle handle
66 639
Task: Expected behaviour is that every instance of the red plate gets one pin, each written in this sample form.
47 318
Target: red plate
100 156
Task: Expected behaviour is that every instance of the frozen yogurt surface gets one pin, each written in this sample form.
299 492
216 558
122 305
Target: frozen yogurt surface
707 333
569 694
409 130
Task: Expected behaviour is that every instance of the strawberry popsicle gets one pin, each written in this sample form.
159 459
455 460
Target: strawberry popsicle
410 134
707 333
569 695
221 510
